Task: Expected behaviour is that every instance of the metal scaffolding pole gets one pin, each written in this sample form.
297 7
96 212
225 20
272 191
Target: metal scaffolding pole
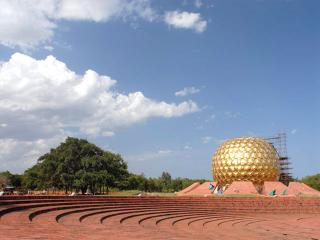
280 144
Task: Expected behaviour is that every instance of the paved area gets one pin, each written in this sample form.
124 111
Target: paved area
159 218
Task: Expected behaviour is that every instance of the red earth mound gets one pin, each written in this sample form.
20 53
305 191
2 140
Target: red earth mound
199 189
280 188
188 189
241 188
296 188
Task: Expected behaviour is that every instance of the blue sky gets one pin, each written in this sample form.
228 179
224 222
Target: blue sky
241 67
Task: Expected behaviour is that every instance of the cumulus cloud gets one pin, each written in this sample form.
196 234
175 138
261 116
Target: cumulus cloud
187 91
18 155
48 91
44 98
26 24
185 20
101 10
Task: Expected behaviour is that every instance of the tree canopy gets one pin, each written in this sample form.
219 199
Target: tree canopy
7 178
76 165
164 183
313 181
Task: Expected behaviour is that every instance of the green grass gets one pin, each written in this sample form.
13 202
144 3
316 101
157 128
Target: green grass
136 193
160 194
126 193
308 195
122 193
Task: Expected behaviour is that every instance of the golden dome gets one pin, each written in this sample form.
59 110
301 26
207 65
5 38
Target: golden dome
245 159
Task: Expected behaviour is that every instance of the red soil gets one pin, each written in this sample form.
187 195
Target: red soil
296 188
197 189
241 188
188 189
278 186
159 218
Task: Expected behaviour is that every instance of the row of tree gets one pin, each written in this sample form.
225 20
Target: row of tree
80 166
9 179
164 183
313 181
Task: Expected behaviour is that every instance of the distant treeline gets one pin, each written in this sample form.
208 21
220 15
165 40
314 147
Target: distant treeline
313 181
79 166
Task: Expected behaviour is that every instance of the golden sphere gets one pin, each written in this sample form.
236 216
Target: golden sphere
245 159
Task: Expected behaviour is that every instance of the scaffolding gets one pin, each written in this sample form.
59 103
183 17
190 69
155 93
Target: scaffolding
280 144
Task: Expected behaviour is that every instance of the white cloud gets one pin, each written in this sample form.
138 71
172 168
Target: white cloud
48 90
102 10
18 155
187 91
26 24
206 139
44 98
185 20
3 125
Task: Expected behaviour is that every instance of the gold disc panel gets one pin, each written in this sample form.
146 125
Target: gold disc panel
245 159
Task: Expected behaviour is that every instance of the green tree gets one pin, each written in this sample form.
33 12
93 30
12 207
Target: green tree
166 181
3 181
8 178
77 165
313 181
177 184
